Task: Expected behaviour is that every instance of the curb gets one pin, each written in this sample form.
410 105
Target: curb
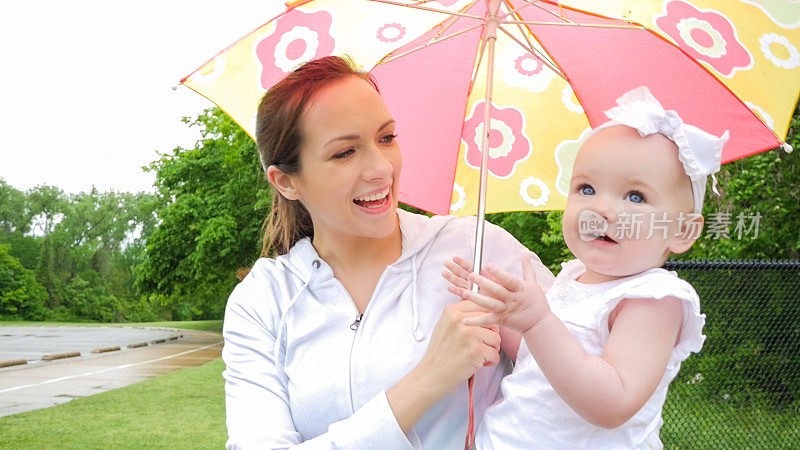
60 356
105 349
13 362
55 356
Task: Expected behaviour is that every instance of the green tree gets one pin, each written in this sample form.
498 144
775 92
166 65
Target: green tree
215 199
82 247
20 295
46 207
15 224
14 217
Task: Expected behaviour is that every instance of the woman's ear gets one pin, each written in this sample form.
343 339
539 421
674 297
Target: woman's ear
283 182
687 233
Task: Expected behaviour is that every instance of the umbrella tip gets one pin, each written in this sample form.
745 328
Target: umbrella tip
175 87
786 147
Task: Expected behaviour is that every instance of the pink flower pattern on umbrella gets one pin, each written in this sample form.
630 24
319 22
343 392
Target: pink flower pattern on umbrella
706 35
298 37
391 32
508 145
528 65
520 69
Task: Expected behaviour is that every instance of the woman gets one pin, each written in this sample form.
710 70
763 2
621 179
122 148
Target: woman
348 338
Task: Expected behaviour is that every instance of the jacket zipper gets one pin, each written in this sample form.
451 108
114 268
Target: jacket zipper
354 325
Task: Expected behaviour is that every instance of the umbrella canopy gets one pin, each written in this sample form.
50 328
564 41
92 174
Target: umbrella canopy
554 69
751 46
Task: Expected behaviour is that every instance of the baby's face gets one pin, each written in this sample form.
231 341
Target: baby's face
628 196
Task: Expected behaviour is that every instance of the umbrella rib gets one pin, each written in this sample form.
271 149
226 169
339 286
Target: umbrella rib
389 58
562 17
480 60
450 21
426 8
513 11
562 24
536 54
524 32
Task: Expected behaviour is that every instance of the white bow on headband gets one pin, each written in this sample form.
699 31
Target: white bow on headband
700 152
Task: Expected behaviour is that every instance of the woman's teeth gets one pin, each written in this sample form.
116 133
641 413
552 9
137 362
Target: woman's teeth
373 200
373 197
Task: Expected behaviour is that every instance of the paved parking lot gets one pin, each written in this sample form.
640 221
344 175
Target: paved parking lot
33 342
44 383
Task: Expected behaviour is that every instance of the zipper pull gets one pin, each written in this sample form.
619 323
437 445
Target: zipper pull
354 325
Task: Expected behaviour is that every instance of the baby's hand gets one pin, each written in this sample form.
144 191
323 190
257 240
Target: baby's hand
458 271
514 303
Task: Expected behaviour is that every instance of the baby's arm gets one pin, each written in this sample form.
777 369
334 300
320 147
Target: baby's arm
605 390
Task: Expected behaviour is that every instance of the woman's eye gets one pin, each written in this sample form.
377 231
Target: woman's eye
388 138
585 189
635 197
344 154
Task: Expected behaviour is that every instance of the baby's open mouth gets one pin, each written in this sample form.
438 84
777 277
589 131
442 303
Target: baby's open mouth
374 200
605 238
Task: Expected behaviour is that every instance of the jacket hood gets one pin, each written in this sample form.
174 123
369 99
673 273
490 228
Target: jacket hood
418 233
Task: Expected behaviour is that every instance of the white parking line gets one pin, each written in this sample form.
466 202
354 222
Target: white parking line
55 380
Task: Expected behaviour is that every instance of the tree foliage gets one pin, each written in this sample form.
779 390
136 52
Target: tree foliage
20 294
215 199
80 248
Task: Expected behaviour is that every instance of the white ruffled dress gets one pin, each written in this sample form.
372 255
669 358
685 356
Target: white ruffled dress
532 415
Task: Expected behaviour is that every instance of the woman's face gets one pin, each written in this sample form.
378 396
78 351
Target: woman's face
349 162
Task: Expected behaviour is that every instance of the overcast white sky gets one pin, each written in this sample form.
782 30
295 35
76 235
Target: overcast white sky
86 93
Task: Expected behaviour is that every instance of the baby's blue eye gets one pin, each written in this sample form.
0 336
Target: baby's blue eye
635 197
585 189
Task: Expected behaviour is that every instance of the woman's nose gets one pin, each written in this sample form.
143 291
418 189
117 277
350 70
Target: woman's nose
377 165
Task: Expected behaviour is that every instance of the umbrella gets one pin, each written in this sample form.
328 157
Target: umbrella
549 70
501 93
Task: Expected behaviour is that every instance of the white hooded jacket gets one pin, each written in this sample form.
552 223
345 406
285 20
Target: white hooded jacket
304 369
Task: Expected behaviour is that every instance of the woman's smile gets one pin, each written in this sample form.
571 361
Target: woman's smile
375 202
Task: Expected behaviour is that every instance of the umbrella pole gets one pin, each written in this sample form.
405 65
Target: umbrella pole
490 36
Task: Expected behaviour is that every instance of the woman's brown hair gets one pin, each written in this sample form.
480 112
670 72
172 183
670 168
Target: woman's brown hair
279 138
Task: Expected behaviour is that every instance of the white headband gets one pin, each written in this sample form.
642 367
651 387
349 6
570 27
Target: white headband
700 152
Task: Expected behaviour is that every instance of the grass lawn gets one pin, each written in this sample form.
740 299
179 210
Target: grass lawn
202 325
185 409
182 409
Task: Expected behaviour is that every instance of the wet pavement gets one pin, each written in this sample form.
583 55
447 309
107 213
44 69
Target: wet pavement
41 384
34 342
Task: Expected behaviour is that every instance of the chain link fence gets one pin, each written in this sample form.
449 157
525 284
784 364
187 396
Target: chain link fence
743 389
